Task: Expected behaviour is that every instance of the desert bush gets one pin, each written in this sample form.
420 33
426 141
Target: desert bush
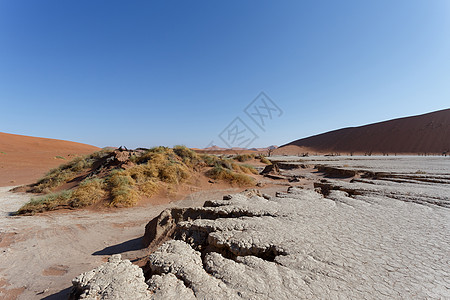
244 157
150 153
48 202
90 191
66 172
225 163
123 196
173 173
264 160
188 156
245 168
126 186
133 158
121 187
148 188
210 160
140 173
220 173
163 165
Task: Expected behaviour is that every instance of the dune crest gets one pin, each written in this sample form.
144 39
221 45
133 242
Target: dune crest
422 134
23 159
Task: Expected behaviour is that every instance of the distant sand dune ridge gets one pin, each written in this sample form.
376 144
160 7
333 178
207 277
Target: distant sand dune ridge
23 159
423 134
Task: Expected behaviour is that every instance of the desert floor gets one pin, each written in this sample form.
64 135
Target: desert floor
41 254
392 231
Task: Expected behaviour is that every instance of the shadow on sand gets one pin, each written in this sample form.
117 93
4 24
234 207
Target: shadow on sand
63 294
131 245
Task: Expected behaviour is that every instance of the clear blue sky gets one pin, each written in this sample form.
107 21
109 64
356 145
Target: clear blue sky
142 73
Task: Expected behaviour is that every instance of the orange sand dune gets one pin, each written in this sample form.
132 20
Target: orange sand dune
427 133
23 159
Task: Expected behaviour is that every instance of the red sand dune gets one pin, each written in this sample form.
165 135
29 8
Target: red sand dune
427 133
23 159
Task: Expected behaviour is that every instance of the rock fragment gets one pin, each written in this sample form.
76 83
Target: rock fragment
116 279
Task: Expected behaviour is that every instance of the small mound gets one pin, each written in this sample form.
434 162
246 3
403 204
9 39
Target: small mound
122 177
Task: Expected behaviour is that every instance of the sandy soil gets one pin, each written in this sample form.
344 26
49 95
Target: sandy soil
24 159
41 254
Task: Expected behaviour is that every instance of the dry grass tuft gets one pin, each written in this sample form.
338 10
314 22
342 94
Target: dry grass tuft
163 164
264 160
149 188
66 172
220 173
48 202
248 169
121 187
90 191
244 157
210 160
189 157
124 196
